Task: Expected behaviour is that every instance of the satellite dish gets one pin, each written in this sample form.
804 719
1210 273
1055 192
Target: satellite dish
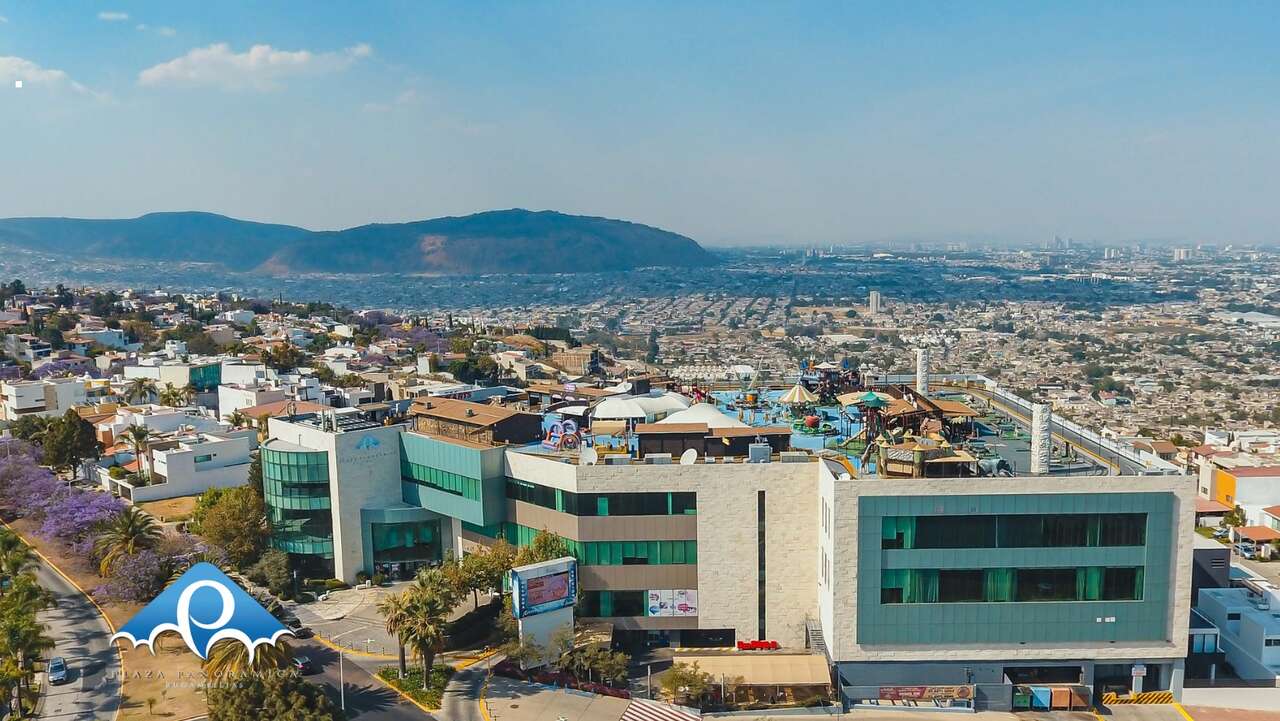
689 457
588 457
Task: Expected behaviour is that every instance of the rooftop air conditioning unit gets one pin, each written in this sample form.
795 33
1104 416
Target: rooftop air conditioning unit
617 460
759 453
659 459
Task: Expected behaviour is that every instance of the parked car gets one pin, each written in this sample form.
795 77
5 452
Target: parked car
1247 551
297 628
57 671
303 664
1222 533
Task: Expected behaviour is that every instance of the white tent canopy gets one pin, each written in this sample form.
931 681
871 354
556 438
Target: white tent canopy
704 413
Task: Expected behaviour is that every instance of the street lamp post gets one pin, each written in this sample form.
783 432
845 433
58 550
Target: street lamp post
342 683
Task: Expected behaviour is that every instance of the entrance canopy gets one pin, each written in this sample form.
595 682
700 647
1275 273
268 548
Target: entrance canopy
773 669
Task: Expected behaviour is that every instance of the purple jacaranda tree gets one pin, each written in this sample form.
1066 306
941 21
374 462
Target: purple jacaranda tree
76 513
25 487
140 577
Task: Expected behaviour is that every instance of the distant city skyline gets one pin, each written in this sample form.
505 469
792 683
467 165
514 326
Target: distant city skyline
804 123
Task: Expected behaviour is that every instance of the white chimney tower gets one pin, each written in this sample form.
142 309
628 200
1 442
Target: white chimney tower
922 371
1041 439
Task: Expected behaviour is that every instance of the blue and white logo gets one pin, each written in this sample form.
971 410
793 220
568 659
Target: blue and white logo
367 443
204 606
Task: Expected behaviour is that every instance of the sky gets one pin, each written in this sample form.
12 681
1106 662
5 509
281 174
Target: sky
733 123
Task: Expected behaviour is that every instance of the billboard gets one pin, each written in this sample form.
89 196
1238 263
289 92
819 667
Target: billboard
542 587
672 602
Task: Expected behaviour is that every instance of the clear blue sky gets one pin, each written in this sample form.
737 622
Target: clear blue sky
735 122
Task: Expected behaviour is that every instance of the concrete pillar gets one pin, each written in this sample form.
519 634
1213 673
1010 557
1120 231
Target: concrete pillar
922 371
1041 439
1176 672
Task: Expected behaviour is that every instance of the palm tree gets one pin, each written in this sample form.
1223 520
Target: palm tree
15 556
237 419
140 389
128 532
22 640
394 608
431 598
25 595
189 392
171 396
230 657
139 439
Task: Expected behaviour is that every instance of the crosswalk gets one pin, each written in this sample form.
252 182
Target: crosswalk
645 710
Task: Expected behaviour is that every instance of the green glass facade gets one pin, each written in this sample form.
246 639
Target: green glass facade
440 479
610 604
657 503
403 542
615 553
1033 568
206 377
295 486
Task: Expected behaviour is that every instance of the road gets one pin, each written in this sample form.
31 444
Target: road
83 637
367 698
461 701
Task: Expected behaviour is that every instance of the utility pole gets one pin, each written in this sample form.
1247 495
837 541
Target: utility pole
342 683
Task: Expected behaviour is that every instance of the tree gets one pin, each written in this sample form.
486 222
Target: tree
1234 518
395 608
685 681
272 571
139 439
283 357
421 616
545 546
237 523
140 390
255 474
22 640
16 557
68 442
129 532
171 396
230 657
205 503
275 696
237 419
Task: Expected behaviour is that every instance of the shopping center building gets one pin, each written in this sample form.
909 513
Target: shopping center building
976 580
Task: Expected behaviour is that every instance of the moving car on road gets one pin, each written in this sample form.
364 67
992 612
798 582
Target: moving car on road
303 664
57 671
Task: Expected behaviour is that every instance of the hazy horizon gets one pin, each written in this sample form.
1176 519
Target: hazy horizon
804 124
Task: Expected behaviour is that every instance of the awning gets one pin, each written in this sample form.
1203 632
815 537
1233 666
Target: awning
766 669
608 428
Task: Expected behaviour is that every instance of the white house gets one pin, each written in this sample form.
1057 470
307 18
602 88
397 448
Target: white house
196 463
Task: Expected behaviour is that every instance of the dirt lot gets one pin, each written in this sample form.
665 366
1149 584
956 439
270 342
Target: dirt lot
170 676
171 509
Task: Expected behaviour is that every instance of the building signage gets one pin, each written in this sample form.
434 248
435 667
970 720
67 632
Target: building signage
542 587
926 693
678 602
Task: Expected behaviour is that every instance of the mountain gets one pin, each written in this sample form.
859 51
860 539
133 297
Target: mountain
491 242
237 244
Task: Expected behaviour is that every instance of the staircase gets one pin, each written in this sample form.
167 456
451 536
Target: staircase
813 636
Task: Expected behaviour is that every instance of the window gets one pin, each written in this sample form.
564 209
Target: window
660 503
954 586
1045 584
1030 530
1122 584
1272 642
441 480
204 459
1233 616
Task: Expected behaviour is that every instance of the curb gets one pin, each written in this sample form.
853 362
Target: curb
103 614
1178 706
403 695
351 651
484 689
